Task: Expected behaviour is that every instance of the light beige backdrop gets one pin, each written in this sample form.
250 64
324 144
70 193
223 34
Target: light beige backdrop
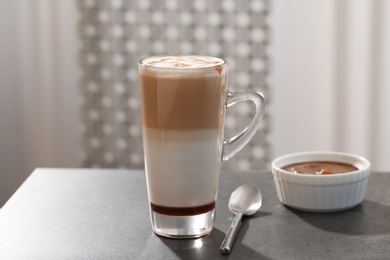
115 35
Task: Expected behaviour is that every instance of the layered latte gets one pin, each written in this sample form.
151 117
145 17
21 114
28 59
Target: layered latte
183 118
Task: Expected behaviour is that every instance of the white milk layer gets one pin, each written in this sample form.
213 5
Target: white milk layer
185 173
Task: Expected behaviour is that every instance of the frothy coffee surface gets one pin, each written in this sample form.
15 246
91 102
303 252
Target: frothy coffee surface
190 61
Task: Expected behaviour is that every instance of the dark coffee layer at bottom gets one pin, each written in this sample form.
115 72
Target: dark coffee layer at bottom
186 211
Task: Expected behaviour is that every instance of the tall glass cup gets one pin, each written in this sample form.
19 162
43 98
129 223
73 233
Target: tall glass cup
183 107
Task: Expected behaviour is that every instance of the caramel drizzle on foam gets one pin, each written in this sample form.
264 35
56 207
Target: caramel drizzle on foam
175 65
219 69
186 62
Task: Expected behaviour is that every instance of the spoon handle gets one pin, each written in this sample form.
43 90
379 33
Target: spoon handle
230 235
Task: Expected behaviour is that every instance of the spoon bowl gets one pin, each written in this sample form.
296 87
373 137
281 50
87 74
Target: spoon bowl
244 201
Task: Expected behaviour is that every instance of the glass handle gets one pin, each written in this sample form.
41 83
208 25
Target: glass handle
236 143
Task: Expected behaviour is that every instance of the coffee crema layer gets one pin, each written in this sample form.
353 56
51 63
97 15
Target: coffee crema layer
183 103
186 61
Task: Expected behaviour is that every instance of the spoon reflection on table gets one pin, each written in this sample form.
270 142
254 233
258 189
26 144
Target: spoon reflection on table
245 200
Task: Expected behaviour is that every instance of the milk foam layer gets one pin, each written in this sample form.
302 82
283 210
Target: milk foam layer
190 62
175 176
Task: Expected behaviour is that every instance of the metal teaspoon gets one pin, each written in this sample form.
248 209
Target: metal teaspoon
245 200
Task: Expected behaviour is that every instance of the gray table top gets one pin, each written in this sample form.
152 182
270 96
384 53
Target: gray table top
104 214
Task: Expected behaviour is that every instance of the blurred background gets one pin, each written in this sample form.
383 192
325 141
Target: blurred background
69 86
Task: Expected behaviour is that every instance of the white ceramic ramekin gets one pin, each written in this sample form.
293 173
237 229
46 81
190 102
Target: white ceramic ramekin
321 193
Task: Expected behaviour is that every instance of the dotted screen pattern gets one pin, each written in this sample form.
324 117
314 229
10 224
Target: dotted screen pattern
116 34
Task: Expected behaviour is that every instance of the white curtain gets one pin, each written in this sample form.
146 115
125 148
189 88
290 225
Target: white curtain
38 89
330 77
